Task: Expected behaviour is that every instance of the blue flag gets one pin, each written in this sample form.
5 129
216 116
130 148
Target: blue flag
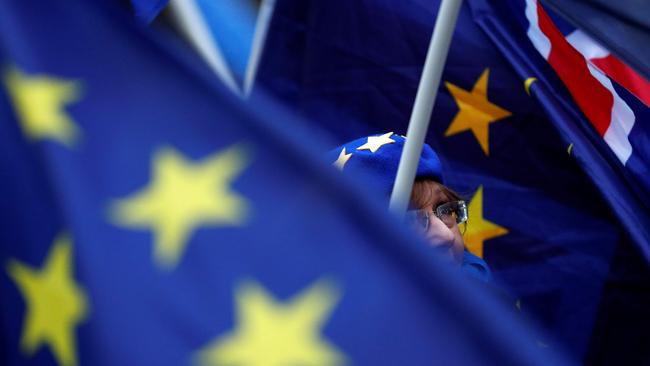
149 217
534 215
148 10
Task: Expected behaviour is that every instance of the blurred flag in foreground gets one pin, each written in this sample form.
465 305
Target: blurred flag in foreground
149 217
534 215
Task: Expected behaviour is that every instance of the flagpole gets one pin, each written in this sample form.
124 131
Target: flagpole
423 106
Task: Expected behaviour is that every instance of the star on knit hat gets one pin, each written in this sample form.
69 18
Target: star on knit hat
381 165
342 159
375 142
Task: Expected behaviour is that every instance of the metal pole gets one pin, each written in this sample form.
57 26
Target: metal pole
423 106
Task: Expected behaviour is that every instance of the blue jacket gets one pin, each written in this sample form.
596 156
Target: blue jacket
476 267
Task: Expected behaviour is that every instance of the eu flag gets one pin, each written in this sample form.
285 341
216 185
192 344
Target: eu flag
149 217
568 248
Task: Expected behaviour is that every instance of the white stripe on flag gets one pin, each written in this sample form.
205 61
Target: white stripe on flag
586 46
539 39
622 119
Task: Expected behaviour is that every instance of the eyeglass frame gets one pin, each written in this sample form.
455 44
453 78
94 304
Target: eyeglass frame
438 212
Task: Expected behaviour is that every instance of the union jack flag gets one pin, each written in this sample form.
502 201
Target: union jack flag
587 69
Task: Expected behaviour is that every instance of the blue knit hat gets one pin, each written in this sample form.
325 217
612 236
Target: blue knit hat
378 156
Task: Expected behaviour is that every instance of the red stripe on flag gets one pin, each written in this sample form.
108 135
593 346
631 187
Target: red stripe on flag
592 97
624 75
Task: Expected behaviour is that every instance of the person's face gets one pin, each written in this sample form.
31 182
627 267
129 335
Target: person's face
445 236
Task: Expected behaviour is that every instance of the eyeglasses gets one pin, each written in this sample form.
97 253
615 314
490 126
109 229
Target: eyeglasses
451 213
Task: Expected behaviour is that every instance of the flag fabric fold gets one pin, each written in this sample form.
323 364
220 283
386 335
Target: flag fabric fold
622 27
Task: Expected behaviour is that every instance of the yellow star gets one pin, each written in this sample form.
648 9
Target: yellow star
270 333
478 228
40 103
342 159
54 302
475 111
182 196
375 142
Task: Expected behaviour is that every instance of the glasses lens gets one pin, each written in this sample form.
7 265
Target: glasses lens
451 213
419 219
